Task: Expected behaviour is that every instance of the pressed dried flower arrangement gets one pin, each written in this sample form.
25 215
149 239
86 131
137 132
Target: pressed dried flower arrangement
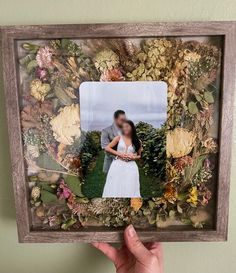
43 70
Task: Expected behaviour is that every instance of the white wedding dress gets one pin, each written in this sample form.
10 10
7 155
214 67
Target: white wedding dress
123 177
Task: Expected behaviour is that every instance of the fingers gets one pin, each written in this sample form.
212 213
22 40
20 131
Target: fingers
134 244
156 249
108 250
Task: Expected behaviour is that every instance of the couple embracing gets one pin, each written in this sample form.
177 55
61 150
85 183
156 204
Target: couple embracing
123 148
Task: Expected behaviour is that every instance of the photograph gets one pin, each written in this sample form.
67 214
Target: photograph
125 125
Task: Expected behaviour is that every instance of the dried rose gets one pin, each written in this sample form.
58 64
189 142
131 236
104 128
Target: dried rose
66 125
179 142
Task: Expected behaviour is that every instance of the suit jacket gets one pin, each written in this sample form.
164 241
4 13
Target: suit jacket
107 136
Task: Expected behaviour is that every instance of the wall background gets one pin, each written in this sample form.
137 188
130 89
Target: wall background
76 258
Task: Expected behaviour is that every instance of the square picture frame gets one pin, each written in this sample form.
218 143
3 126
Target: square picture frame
11 35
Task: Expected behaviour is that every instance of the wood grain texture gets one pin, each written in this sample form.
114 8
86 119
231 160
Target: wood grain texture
9 37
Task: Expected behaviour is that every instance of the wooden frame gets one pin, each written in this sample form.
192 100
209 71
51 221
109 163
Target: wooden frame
9 36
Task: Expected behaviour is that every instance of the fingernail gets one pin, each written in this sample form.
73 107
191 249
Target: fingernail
131 231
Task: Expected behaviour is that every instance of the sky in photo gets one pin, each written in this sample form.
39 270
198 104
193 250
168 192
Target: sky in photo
142 101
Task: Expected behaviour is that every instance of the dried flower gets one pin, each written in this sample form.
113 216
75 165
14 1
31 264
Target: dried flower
204 194
41 73
54 221
106 60
44 57
63 192
193 196
111 75
191 56
170 193
35 193
210 144
39 90
40 212
66 125
183 162
179 142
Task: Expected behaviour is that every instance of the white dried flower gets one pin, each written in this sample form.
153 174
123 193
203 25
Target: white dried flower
66 125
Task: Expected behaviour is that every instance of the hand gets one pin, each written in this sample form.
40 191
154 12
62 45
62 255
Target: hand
123 156
134 256
131 157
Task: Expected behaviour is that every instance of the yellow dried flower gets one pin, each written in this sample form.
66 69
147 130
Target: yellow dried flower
179 142
136 203
66 125
39 90
193 196
191 57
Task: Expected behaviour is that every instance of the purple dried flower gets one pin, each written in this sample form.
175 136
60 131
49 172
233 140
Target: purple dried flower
41 73
63 192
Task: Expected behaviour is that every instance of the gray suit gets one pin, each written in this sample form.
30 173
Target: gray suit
107 136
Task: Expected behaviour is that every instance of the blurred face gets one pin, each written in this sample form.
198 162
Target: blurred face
126 129
120 120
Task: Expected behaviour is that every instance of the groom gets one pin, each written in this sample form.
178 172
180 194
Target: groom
108 135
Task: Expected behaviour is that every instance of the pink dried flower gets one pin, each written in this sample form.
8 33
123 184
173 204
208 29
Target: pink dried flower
63 192
41 73
44 57
111 75
207 164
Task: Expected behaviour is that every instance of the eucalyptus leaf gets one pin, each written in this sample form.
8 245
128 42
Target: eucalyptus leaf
198 97
45 186
48 197
74 184
192 107
47 162
208 97
31 65
27 59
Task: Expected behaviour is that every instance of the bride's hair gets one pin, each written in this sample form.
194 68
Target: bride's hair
134 137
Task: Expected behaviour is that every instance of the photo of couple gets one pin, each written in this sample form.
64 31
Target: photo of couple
123 144
123 148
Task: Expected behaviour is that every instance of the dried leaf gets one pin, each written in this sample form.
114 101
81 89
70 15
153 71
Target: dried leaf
136 203
192 107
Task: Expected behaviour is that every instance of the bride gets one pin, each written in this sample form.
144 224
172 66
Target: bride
123 175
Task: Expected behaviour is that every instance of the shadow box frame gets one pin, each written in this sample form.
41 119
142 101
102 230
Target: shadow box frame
9 37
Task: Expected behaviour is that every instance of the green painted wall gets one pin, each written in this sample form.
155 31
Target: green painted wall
72 258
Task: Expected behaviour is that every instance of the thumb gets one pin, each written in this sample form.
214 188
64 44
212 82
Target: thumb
134 244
